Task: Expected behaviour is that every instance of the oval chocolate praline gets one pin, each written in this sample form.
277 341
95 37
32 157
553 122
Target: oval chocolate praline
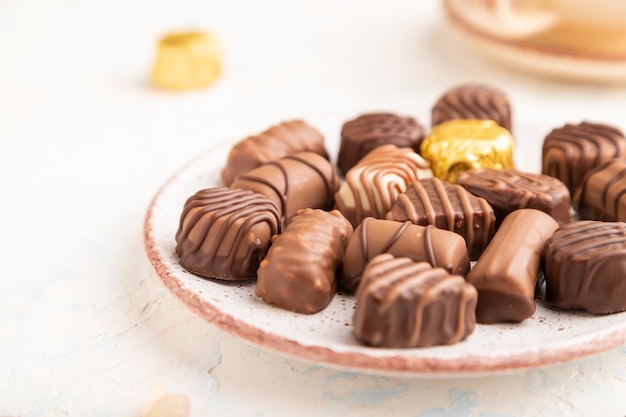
368 131
473 101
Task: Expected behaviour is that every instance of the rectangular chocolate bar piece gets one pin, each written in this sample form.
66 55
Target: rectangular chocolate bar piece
506 273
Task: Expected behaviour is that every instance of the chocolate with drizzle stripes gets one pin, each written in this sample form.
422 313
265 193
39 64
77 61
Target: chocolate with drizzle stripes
473 101
294 182
440 248
401 303
372 186
447 206
603 193
225 233
571 151
274 143
508 190
585 266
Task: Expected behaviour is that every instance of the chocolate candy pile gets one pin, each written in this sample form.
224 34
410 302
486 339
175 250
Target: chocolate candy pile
400 220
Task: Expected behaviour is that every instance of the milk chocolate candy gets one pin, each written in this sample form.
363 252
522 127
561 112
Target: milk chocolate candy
294 182
447 206
368 131
506 273
460 145
440 248
509 190
473 101
276 142
403 304
372 185
298 273
225 233
603 193
585 266
571 151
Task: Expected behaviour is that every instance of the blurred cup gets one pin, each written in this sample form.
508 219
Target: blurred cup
517 19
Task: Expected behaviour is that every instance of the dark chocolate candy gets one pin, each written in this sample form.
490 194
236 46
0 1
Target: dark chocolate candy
585 266
473 101
225 233
447 206
508 190
372 185
440 248
603 193
402 304
294 182
298 273
368 131
276 142
571 151
506 273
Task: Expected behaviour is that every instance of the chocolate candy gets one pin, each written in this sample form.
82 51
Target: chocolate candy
402 304
506 273
440 248
298 273
603 193
186 60
368 131
508 190
276 142
473 101
294 182
459 145
585 266
571 151
373 185
225 233
447 206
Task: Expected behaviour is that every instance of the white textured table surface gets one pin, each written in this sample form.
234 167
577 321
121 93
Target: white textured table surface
86 328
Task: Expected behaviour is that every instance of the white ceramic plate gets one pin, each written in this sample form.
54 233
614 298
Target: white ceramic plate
537 56
548 337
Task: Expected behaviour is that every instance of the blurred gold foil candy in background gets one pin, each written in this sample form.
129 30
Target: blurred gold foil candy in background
186 60
464 144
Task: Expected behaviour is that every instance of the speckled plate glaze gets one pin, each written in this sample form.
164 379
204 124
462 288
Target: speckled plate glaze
535 56
548 337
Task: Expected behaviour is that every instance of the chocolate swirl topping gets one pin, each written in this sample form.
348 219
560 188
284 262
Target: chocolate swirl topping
585 266
372 185
571 151
447 206
276 142
225 233
473 101
436 307
368 131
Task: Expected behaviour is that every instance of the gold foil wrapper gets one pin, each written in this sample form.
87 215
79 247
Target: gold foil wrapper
460 145
186 60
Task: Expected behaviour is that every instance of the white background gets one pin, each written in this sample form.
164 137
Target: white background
85 326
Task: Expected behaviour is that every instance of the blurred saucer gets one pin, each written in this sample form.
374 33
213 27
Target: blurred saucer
559 51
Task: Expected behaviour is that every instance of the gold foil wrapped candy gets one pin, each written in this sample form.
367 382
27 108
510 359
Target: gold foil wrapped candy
459 145
186 60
